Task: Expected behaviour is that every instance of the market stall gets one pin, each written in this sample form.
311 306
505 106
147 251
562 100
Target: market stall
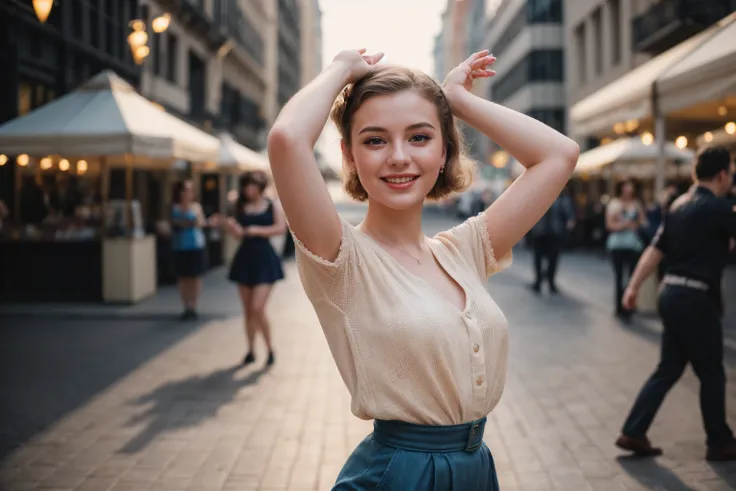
101 126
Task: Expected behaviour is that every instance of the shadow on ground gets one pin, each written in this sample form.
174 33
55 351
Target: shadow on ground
49 369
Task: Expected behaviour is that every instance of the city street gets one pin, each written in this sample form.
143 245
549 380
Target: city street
112 398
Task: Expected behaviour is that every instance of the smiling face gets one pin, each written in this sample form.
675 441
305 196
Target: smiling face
397 148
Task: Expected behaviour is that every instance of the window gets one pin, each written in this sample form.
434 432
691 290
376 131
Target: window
582 54
514 29
537 66
172 49
546 65
539 11
24 98
614 10
597 42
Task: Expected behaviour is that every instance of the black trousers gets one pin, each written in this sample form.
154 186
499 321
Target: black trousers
546 247
692 334
624 261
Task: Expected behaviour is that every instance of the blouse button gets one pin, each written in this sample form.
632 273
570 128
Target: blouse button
479 381
476 348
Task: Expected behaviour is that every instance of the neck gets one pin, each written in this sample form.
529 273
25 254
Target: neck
711 186
394 227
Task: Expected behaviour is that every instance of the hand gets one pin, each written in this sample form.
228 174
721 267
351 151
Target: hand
357 62
629 299
462 76
215 220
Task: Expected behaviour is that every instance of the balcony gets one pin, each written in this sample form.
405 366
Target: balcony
669 22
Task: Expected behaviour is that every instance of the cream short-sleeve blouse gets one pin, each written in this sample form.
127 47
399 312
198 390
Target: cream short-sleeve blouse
405 352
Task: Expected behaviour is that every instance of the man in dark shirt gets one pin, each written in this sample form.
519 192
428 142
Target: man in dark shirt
695 237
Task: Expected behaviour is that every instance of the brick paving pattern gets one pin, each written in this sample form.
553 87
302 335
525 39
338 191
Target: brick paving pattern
186 417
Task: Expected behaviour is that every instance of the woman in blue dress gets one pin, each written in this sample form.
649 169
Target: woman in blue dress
256 266
188 243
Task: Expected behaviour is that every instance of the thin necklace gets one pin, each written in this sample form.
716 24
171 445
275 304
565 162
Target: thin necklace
400 249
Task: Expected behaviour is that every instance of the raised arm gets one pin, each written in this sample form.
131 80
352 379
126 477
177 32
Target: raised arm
306 201
548 156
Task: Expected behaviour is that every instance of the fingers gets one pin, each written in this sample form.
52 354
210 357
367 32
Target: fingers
477 55
482 73
373 59
482 62
362 50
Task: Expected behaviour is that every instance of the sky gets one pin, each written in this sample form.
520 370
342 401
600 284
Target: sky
403 29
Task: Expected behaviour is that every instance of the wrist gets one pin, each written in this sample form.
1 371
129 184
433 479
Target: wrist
341 71
458 98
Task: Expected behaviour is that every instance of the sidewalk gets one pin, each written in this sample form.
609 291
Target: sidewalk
160 405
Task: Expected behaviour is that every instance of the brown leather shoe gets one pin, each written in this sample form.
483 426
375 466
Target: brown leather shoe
722 453
640 446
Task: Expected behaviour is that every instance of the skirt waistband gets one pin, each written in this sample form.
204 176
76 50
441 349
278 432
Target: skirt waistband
429 438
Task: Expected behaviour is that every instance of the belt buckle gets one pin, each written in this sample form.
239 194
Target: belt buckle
475 436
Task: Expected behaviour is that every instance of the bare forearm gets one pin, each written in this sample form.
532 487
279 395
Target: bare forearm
645 267
525 138
305 115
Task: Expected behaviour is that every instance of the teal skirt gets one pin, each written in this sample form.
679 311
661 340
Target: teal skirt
408 457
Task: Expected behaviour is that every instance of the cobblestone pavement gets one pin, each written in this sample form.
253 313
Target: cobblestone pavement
159 405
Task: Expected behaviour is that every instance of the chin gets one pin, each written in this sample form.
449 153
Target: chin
398 200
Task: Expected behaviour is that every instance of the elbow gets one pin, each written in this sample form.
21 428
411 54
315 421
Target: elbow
279 138
570 152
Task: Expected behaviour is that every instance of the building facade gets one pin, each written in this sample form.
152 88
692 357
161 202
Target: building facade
289 60
42 62
208 67
608 39
527 38
311 40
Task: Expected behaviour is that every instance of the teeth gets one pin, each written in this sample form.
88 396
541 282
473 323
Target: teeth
399 180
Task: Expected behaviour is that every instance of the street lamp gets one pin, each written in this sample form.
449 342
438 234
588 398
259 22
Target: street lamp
138 38
42 9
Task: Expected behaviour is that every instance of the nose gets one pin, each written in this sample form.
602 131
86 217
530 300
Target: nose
399 157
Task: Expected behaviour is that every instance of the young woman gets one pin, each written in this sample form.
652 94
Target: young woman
625 218
256 266
188 243
419 342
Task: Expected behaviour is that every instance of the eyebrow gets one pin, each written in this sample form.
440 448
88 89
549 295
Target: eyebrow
378 129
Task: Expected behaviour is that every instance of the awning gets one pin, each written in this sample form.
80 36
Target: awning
718 137
237 157
707 73
629 97
628 150
106 117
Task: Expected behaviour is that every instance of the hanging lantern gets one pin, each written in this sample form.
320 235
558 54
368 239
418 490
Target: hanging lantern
22 159
43 9
46 163
3 159
63 165
82 166
161 23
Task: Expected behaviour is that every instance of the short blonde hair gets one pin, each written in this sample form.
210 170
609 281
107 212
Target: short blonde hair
458 169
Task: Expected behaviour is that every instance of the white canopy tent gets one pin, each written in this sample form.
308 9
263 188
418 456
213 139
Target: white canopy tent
240 158
106 117
630 151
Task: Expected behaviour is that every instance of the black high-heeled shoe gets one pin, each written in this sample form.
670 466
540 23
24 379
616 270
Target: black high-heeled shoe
271 360
249 358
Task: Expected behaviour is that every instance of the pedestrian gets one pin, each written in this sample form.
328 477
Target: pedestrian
256 266
419 342
625 219
547 237
694 237
188 244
